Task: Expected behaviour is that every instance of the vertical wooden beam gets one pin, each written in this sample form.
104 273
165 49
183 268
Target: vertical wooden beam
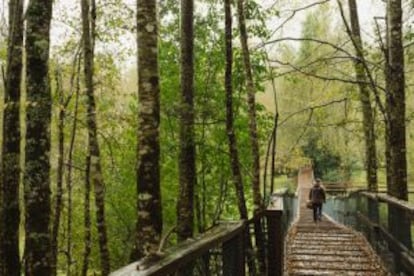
275 237
234 256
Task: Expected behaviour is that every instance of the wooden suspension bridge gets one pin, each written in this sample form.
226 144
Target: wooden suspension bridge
295 244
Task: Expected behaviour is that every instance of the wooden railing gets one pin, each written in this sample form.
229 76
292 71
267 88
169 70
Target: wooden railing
221 250
386 222
336 187
228 235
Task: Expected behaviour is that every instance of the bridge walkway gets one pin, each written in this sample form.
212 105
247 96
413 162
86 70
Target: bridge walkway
326 247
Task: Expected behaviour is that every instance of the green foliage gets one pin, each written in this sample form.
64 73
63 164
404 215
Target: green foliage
326 164
117 106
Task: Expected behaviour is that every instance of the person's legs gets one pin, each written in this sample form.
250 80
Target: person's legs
315 211
320 211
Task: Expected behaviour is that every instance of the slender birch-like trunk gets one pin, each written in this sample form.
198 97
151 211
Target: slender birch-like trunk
96 177
251 102
59 175
149 212
231 135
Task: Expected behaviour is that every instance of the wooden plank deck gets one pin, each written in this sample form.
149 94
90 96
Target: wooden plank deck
326 247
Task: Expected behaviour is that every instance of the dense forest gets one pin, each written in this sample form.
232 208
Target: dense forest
130 124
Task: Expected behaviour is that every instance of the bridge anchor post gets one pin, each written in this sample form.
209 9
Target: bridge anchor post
275 237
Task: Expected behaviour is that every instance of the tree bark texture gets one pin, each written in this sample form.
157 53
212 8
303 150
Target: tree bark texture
87 218
399 221
388 108
37 153
59 175
251 102
69 187
365 98
186 159
10 215
274 141
396 101
149 211
88 31
232 140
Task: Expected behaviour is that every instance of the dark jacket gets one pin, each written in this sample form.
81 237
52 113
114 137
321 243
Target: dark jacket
317 194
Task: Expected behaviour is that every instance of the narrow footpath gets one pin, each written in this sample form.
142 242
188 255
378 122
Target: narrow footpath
326 247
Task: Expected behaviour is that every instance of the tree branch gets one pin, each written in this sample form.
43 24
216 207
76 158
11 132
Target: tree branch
293 13
363 62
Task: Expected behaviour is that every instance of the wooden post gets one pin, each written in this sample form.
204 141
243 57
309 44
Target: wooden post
233 256
373 215
275 237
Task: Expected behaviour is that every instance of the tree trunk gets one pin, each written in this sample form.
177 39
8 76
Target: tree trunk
37 163
274 134
187 167
77 64
59 175
365 98
88 30
396 102
251 102
69 223
149 211
232 140
234 154
87 218
10 176
399 220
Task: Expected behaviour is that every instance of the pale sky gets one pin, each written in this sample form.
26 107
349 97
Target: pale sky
367 10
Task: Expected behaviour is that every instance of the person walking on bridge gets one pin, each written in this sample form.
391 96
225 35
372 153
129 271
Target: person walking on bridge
317 197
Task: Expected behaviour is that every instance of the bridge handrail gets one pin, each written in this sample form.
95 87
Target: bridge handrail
402 204
365 211
185 252
230 237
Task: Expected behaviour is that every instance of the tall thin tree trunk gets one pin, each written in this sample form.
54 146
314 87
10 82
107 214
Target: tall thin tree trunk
365 98
388 108
74 84
10 163
87 218
59 175
37 163
63 103
149 211
187 167
397 100
399 222
69 180
275 127
272 143
69 224
88 31
274 134
251 102
232 140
